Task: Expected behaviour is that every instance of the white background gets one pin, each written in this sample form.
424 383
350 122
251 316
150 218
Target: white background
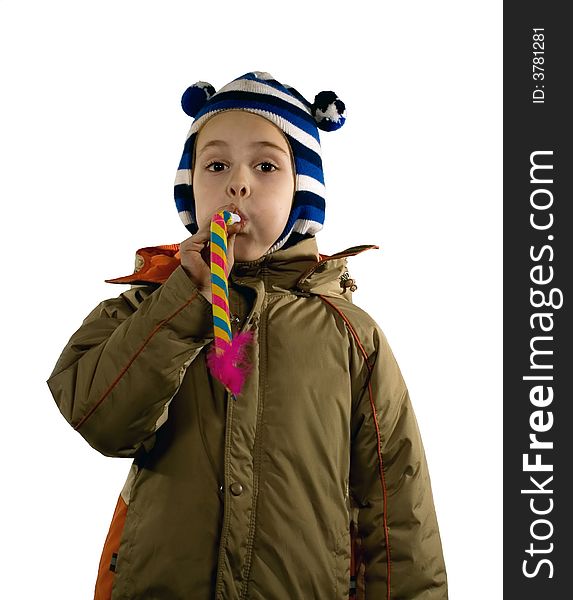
92 131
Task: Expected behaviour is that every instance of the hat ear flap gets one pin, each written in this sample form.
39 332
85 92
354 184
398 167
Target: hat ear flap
328 111
195 97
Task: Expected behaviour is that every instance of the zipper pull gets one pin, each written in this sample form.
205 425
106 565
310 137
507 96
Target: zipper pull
254 321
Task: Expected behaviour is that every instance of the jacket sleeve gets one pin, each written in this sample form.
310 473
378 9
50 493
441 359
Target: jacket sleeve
390 482
119 371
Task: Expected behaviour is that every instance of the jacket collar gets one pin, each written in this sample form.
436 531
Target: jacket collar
299 267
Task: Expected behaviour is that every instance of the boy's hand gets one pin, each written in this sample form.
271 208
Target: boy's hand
195 252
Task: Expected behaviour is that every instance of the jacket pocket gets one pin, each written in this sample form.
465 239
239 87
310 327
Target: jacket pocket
342 566
109 554
357 570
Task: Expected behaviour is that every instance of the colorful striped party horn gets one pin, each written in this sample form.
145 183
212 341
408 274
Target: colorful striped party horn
227 357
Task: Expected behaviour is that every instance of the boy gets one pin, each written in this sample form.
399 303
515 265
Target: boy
312 482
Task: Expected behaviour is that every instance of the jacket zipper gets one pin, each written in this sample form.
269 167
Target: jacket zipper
226 504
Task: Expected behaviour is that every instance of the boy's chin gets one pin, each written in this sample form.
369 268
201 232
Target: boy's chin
239 258
246 251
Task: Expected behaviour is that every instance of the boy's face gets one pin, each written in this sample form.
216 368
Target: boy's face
243 158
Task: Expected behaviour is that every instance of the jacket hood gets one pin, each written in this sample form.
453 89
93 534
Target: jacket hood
300 267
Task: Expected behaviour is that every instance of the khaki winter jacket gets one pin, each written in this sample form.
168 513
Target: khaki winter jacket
311 484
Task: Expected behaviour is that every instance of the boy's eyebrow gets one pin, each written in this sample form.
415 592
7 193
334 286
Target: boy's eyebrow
223 143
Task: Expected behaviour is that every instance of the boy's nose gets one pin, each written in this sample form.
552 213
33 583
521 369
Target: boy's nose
238 189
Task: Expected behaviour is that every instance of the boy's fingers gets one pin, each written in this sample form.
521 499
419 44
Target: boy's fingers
199 241
206 252
230 252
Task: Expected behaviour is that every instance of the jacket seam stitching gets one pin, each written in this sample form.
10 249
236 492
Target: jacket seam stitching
132 359
375 416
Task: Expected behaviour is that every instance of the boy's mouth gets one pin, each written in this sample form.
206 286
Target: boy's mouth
243 217
243 223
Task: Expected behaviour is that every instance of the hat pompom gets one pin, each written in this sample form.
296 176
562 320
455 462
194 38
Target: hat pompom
195 96
328 111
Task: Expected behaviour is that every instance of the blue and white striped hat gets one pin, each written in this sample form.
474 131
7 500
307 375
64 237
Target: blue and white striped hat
258 92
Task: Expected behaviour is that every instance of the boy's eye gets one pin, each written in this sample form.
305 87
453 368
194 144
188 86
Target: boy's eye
265 164
269 164
215 162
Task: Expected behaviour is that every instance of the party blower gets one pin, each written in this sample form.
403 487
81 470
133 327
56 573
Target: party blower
227 358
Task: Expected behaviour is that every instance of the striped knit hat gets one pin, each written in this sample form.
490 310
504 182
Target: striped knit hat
258 92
